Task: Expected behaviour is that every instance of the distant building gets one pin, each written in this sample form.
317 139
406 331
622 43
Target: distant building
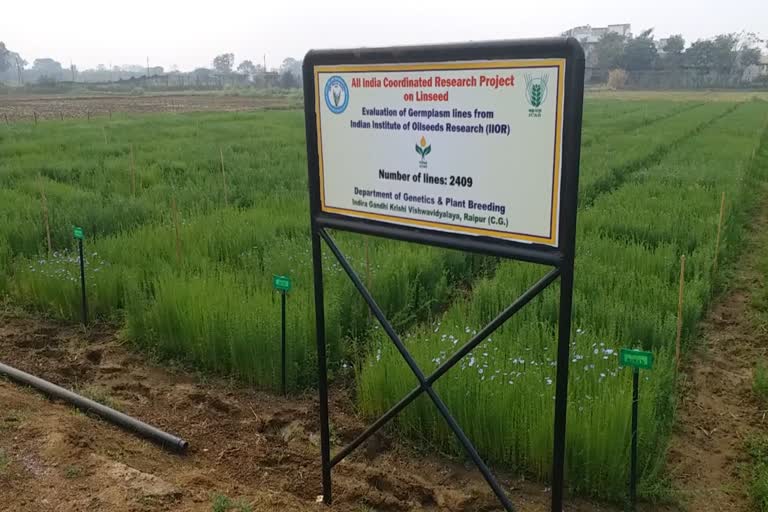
757 71
588 36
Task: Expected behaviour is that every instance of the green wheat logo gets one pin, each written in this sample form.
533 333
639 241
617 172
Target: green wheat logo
536 95
536 89
336 97
422 148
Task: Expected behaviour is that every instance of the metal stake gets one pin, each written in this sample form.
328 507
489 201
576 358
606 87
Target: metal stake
282 300
633 449
83 299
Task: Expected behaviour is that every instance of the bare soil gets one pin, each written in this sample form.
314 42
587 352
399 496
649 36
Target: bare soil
244 444
24 108
718 411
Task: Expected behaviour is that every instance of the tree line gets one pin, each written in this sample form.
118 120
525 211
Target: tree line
724 53
15 69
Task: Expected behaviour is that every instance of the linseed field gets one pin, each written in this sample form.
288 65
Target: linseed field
188 216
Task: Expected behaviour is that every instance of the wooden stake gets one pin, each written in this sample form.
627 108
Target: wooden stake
35 114
176 227
719 230
61 116
133 174
46 220
104 132
680 311
88 113
6 119
223 177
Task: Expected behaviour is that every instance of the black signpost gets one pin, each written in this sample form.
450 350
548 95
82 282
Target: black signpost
555 249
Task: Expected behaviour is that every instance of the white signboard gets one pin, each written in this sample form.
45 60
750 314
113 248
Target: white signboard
465 147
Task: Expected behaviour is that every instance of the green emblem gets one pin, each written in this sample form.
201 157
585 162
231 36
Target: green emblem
78 234
281 283
336 97
422 148
636 359
536 89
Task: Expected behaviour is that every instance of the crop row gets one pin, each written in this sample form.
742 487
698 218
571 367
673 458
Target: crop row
626 294
195 283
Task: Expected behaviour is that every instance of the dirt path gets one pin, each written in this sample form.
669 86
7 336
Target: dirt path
24 108
246 445
718 411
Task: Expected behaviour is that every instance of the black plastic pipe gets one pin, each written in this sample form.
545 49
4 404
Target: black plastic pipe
122 420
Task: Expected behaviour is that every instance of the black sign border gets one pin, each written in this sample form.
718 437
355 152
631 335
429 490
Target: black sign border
568 49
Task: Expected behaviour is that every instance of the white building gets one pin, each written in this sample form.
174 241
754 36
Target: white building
588 36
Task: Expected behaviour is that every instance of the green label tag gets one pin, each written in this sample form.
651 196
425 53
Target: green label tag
78 234
636 359
281 283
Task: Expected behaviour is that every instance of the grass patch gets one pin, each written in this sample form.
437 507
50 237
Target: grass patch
760 381
98 394
223 503
73 471
11 420
758 489
5 461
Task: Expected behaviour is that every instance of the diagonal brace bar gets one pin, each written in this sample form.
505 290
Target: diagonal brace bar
478 338
426 386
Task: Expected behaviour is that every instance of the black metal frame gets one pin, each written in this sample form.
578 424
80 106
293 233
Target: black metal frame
561 258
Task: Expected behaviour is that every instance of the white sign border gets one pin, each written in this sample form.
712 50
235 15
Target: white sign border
556 62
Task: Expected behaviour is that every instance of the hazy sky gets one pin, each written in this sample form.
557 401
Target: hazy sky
189 34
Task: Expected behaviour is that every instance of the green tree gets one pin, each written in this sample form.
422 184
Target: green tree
675 45
4 57
247 68
292 66
610 50
640 52
223 63
749 49
287 80
48 69
701 54
749 57
724 52
672 58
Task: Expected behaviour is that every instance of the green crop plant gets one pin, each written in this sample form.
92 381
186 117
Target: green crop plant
626 291
607 165
622 116
757 447
188 274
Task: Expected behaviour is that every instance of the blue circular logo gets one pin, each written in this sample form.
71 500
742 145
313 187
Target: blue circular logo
336 94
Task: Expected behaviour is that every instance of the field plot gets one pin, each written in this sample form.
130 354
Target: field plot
26 108
188 217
